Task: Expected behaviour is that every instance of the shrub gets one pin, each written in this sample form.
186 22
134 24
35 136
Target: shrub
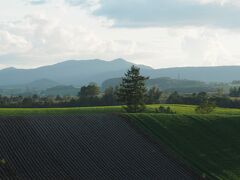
165 110
205 108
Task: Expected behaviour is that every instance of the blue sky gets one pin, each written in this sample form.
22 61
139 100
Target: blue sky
159 33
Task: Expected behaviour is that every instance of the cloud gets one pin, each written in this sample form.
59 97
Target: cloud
91 5
11 43
59 31
220 2
37 2
206 46
161 13
79 2
150 13
38 40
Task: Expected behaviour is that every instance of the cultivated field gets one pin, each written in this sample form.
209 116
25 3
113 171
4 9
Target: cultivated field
82 147
96 142
210 144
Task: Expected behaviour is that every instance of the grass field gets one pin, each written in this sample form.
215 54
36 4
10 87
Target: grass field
180 109
210 144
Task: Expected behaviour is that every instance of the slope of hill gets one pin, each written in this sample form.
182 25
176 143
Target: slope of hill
71 72
61 90
82 147
79 73
30 88
209 143
41 84
206 74
168 84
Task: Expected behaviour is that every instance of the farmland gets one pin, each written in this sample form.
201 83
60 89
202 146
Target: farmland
92 142
82 147
211 144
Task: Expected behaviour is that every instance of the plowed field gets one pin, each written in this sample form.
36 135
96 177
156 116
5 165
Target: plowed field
82 147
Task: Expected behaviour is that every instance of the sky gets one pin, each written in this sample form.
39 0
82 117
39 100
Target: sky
158 33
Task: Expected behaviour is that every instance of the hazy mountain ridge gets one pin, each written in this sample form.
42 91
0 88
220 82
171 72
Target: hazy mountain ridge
169 84
71 72
78 73
61 90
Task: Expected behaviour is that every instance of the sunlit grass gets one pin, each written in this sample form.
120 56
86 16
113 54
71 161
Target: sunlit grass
180 109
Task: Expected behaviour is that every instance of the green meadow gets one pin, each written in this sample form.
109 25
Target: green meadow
208 143
179 109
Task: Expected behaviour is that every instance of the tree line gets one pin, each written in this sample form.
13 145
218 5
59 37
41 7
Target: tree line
199 98
234 92
132 94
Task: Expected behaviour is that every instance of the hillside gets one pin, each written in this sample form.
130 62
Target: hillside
169 84
82 72
61 90
82 147
30 88
205 74
57 142
71 72
209 143
41 84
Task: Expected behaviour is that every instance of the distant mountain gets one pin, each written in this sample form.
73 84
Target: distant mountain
61 90
41 84
168 84
71 72
78 73
206 74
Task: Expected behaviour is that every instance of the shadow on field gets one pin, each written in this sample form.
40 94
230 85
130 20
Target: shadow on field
210 143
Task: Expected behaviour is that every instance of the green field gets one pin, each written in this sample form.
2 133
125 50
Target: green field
210 144
180 109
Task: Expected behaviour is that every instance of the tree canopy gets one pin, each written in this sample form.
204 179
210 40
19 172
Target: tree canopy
132 90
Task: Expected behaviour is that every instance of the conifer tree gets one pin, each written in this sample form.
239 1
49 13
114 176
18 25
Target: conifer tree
132 90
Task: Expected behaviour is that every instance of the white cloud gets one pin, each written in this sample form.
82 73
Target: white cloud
56 31
37 2
55 39
11 43
92 5
39 40
206 47
220 2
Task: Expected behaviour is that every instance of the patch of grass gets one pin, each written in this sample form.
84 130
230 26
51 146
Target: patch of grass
209 143
179 109
190 109
58 111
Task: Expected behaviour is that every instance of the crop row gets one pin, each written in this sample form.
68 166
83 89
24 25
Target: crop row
83 146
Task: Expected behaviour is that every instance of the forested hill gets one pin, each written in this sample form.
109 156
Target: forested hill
73 72
78 73
206 74
169 84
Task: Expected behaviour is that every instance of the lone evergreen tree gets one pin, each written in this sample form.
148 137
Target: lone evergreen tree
132 90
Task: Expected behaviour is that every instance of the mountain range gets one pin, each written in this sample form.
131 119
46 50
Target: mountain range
70 72
82 72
